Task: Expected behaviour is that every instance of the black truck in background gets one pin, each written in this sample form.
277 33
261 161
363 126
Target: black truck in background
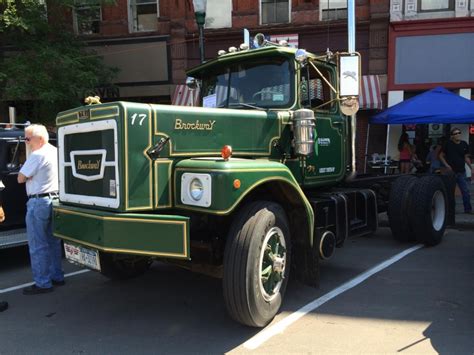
13 195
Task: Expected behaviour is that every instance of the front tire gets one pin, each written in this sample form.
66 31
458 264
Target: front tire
257 263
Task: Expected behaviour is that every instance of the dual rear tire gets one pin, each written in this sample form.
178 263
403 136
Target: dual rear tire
418 209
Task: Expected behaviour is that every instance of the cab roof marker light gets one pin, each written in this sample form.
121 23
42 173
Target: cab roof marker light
221 52
244 46
226 152
301 55
232 49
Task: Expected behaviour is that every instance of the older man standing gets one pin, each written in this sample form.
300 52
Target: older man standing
40 173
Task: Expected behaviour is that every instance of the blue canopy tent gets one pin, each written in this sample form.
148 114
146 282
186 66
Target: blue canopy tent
437 105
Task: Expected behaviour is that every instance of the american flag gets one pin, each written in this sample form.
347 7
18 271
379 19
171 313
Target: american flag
183 96
292 39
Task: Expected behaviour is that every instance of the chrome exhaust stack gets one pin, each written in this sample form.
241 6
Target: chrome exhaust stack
303 128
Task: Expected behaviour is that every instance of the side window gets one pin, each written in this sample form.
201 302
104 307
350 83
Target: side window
143 15
435 5
315 91
274 11
16 154
87 16
219 14
333 9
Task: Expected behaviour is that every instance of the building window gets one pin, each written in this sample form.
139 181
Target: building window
275 11
219 14
87 17
144 15
333 9
435 5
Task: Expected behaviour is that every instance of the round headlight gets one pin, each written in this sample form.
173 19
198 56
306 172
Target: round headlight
196 189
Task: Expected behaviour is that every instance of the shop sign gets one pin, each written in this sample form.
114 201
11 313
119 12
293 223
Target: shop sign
435 130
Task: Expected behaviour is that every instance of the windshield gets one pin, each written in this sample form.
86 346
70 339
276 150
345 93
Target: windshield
264 83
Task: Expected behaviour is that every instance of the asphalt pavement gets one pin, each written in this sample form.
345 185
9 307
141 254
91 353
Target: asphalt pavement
462 219
420 304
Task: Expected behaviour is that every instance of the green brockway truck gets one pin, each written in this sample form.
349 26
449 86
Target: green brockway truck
257 182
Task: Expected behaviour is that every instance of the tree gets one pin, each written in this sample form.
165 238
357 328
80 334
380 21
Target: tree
44 67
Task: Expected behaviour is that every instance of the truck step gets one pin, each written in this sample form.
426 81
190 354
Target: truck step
13 238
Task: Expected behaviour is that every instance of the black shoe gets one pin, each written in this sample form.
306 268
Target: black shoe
3 306
58 283
35 290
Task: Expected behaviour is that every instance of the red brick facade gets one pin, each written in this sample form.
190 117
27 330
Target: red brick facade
176 20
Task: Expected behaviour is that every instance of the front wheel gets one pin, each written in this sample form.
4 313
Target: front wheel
257 263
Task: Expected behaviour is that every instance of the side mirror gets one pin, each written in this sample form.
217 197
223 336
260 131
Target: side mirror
192 83
349 82
259 40
12 167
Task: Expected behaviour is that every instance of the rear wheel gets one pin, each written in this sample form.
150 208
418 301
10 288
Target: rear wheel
257 263
429 210
399 208
121 266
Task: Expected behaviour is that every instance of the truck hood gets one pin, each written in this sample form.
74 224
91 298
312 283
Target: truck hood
201 131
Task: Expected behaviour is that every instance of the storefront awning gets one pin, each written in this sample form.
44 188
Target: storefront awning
183 96
370 98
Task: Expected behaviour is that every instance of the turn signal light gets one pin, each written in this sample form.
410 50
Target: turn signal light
237 184
226 152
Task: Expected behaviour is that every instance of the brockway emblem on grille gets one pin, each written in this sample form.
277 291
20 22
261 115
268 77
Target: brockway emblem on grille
88 165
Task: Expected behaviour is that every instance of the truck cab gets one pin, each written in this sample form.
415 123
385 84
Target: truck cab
272 79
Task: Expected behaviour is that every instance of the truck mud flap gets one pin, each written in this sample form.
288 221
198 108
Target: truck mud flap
129 233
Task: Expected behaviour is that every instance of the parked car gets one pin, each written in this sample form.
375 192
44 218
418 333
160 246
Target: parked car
13 195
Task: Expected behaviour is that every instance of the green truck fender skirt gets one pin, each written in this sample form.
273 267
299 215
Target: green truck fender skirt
225 195
129 233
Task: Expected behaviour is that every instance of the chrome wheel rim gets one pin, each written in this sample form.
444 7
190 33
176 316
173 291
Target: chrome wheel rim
438 210
272 263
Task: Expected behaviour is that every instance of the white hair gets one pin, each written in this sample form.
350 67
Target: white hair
38 130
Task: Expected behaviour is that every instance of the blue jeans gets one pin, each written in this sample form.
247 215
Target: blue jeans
466 197
45 250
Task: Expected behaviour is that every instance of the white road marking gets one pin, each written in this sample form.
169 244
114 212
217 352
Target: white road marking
14 288
279 327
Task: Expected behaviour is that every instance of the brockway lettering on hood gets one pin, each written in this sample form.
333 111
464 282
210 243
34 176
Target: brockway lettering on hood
179 124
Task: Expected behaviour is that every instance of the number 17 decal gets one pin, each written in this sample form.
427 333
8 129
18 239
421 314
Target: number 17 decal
140 117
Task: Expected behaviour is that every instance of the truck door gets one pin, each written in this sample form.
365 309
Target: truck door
328 160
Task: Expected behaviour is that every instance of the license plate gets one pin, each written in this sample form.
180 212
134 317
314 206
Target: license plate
83 256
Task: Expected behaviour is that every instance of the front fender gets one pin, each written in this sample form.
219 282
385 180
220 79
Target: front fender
250 173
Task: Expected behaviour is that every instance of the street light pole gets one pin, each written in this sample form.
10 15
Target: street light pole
200 13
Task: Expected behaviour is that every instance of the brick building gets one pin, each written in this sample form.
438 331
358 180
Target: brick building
153 42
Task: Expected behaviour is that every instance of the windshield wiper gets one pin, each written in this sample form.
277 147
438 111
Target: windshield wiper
243 104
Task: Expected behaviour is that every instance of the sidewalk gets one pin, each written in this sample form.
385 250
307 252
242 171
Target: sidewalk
464 220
